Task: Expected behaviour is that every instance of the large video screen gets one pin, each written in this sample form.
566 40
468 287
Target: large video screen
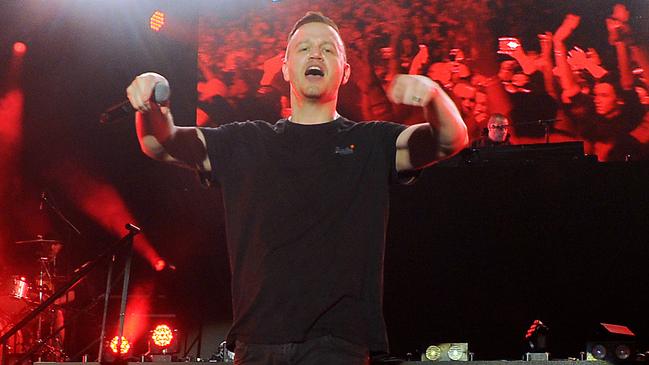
555 72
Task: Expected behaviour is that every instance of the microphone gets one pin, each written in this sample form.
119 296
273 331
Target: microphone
541 121
161 93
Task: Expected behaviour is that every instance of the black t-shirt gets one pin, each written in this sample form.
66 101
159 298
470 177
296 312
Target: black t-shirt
306 213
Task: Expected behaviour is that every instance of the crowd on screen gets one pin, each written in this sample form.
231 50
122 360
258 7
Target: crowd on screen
550 85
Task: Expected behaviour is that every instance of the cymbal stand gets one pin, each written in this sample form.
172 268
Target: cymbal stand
41 289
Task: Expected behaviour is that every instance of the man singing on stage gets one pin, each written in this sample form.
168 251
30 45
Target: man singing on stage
306 201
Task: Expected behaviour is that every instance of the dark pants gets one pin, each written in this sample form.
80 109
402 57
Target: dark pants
327 350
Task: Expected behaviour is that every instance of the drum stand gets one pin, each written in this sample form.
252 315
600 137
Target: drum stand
79 274
52 344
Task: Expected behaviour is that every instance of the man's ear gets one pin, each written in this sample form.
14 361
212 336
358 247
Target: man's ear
346 73
285 69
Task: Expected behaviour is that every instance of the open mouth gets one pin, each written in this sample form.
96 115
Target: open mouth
314 71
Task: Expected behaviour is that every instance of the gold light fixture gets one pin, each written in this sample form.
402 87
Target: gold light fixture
456 351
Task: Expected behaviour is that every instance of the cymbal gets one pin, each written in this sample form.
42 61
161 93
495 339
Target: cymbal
39 241
40 247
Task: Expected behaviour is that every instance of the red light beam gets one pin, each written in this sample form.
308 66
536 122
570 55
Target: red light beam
103 203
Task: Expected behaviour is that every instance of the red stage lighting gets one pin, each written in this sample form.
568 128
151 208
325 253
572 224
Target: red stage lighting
124 348
162 335
163 343
160 264
157 20
20 48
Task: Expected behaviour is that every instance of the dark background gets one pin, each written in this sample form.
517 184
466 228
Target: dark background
474 254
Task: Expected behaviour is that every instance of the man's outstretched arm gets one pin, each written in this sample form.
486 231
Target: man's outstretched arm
442 136
159 138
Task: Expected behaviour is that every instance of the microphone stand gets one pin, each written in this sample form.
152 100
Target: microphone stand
122 311
58 213
546 123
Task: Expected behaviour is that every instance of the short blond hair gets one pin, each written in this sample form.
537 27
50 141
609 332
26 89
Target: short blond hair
313 17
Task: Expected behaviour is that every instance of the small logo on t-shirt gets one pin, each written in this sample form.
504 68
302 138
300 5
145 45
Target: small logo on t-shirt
347 150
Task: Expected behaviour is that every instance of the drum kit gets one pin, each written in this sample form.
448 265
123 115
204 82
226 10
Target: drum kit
30 282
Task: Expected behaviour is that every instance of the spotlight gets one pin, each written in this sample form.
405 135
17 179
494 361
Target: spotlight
124 348
433 353
598 351
163 343
157 20
446 352
622 351
19 48
160 264
457 352
162 335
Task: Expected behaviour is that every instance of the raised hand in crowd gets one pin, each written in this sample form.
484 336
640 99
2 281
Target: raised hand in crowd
272 67
569 24
545 58
374 102
419 60
517 52
619 35
620 30
568 83
618 24
212 86
545 65
486 65
580 60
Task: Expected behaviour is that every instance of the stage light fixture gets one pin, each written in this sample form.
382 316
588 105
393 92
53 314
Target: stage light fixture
162 335
446 352
598 351
160 264
433 353
456 352
162 343
622 351
614 352
537 341
124 348
19 48
157 20
616 344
